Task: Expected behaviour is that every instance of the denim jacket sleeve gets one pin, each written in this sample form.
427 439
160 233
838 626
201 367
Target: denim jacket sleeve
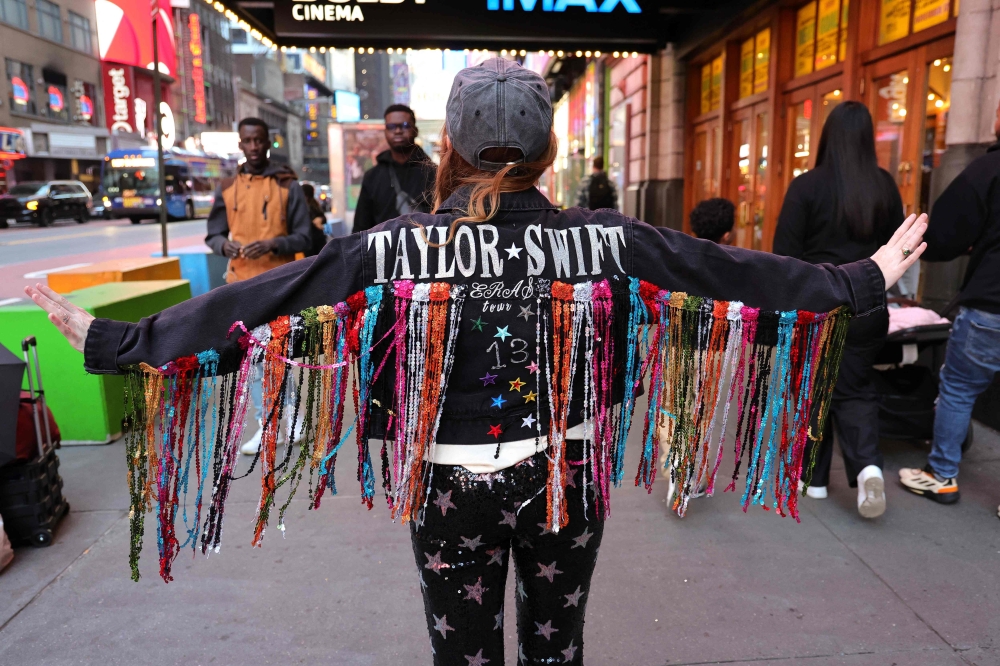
202 323
678 262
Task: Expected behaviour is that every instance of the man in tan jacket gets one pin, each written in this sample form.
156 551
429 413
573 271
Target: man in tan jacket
260 220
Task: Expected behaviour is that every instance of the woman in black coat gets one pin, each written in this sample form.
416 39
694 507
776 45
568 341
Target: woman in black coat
840 212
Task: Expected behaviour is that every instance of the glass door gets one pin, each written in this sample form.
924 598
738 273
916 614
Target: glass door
749 162
937 96
705 167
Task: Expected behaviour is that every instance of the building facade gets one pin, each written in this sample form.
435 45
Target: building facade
52 80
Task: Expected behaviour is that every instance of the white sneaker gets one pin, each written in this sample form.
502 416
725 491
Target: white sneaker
871 492
815 492
252 445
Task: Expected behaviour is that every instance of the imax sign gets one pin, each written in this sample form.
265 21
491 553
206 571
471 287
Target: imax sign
605 7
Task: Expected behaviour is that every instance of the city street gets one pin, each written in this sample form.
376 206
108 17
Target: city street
918 587
27 254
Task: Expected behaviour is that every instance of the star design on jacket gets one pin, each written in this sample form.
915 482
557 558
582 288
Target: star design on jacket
516 385
495 430
434 563
513 252
571 478
545 630
498 618
478 659
520 590
471 544
477 324
530 396
489 379
569 653
581 541
545 529
496 555
520 654
444 502
574 599
532 368
503 333
528 421
475 592
526 312
509 518
548 572
498 401
441 624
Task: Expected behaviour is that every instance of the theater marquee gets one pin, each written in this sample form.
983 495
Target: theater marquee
497 24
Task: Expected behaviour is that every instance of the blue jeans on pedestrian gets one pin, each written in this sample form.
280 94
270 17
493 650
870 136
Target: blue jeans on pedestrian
972 360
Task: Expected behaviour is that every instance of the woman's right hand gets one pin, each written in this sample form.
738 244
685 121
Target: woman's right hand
902 250
73 322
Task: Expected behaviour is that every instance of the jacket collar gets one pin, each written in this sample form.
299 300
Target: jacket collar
530 199
995 146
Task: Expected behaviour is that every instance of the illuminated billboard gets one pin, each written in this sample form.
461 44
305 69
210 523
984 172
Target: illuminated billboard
125 33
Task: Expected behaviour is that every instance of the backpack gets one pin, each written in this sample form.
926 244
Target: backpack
600 193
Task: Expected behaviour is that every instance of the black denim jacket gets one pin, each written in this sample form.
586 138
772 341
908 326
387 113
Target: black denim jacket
501 263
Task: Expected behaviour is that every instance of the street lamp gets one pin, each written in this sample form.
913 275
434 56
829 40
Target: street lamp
154 7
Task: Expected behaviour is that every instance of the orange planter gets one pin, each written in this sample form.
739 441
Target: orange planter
116 270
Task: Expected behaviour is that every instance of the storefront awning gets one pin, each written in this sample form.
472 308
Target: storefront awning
591 25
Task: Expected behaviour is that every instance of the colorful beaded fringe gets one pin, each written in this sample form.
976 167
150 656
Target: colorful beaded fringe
778 369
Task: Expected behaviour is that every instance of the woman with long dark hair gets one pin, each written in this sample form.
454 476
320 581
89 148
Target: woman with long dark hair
498 346
840 212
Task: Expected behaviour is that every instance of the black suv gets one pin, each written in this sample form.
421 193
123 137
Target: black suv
43 203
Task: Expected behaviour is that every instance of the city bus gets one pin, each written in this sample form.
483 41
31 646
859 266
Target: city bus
129 183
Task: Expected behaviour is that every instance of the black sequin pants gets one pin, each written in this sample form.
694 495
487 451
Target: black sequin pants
471 524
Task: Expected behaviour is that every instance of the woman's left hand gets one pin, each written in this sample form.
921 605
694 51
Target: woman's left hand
902 250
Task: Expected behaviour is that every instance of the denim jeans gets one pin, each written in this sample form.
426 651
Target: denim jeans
972 360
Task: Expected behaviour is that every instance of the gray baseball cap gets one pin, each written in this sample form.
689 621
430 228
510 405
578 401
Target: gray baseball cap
499 104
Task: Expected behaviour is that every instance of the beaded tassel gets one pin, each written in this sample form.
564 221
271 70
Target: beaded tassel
274 392
183 417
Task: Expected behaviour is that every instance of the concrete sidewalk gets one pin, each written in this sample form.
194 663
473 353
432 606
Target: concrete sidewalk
919 586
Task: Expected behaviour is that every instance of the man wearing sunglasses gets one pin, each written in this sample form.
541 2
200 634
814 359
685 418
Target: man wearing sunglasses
402 180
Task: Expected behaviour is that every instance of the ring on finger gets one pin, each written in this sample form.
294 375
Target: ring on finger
907 251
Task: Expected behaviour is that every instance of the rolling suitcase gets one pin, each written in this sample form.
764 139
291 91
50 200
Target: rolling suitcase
31 500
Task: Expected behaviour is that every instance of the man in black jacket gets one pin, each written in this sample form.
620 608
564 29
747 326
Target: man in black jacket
402 180
965 220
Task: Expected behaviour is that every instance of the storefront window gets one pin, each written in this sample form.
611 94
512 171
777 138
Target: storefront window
895 17
755 59
936 122
20 79
762 60
711 85
801 137
820 35
617 155
890 116
805 39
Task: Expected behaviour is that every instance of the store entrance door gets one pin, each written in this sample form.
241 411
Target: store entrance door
705 167
750 145
807 110
909 96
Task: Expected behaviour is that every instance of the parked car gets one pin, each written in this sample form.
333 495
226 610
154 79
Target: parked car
43 203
